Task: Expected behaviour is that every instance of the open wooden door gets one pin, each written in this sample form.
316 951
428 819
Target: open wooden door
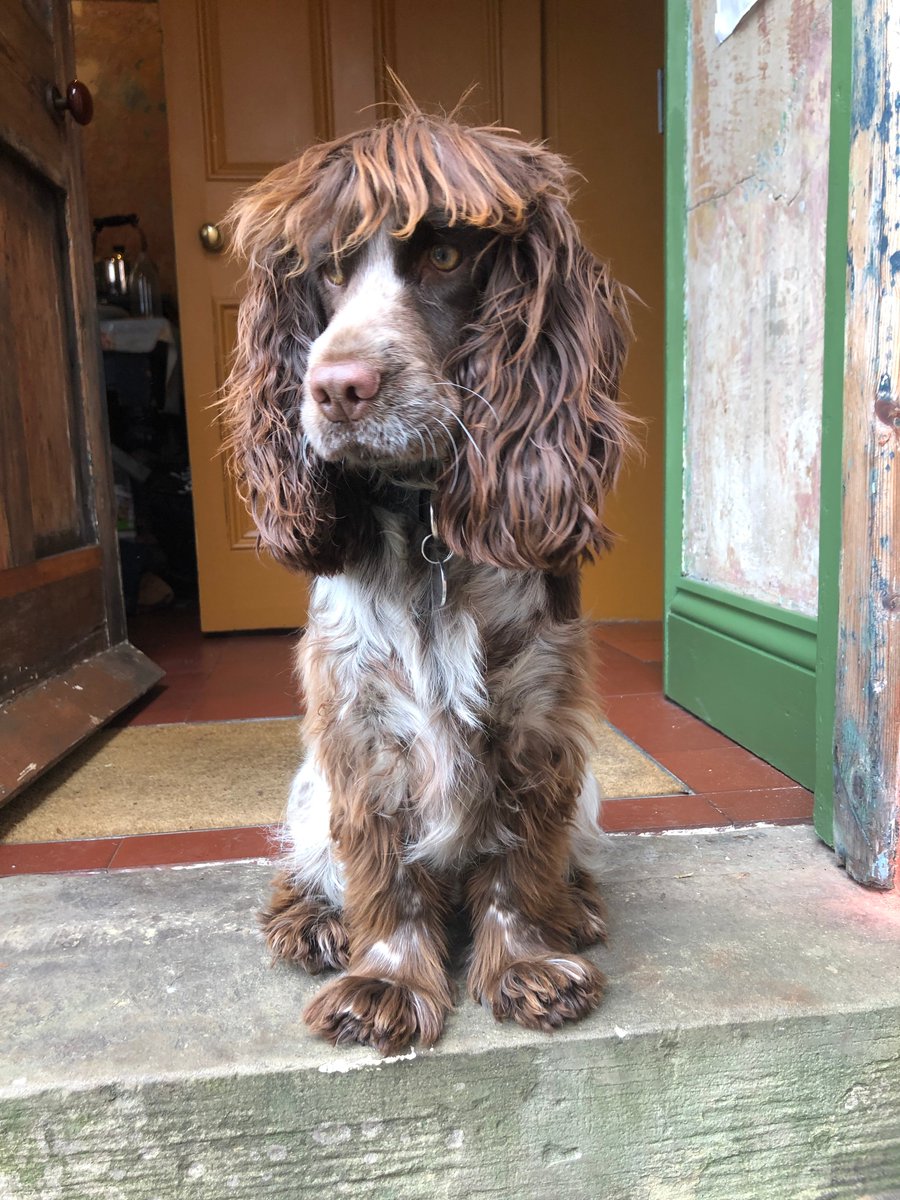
65 666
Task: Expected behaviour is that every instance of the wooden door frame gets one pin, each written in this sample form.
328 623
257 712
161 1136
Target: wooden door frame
852 648
830 531
867 637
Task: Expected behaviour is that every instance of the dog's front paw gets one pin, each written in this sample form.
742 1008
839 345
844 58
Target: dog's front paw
303 930
375 1012
543 993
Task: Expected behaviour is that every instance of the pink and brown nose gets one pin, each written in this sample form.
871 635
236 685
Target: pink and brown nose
344 390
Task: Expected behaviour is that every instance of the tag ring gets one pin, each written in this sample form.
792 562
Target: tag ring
427 541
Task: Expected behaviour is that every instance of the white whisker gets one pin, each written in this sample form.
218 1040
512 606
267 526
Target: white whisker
462 426
454 447
478 396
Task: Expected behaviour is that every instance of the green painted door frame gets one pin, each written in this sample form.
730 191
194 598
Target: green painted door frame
763 675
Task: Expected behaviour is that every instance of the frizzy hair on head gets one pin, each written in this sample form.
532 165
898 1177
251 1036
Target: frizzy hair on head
539 362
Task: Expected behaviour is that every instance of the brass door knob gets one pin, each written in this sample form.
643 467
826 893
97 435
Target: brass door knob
77 102
212 238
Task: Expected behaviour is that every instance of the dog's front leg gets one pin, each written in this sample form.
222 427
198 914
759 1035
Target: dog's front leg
396 989
526 916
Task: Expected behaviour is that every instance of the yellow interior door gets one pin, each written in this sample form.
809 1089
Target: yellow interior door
600 103
251 85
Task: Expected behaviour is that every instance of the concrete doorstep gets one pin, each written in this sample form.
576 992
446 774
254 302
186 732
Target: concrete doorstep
749 1047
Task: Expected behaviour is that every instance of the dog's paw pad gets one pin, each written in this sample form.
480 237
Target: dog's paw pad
545 993
375 1012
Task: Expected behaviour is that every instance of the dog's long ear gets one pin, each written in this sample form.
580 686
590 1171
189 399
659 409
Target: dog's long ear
540 373
303 507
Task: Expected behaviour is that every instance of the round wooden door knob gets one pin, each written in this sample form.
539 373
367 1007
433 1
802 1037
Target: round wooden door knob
77 102
212 238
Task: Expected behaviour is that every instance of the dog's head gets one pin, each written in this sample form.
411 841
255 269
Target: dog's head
420 301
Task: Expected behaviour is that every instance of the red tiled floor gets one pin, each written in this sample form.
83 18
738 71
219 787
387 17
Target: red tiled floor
214 677
723 768
201 845
250 676
47 858
778 806
641 639
621 675
658 725
657 813
165 704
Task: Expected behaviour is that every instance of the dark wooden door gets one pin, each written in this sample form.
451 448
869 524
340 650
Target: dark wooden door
65 664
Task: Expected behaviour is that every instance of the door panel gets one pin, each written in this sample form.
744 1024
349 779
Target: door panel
61 615
31 246
241 48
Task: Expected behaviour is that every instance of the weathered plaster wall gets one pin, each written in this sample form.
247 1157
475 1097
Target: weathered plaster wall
757 195
118 52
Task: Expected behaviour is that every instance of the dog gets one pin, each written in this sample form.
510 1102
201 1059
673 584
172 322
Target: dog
424 414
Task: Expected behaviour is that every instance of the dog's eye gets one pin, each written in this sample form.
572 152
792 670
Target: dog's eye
444 256
333 273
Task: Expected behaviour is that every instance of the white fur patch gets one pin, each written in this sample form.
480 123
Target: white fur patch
307 835
371 636
586 843
402 949
370 303
571 968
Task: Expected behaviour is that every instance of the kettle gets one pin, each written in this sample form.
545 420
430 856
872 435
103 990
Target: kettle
119 280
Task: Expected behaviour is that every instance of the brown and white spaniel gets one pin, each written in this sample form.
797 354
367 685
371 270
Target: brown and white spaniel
423 414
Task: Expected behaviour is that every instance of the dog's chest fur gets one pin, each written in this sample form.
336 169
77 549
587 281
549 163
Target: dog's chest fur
405 700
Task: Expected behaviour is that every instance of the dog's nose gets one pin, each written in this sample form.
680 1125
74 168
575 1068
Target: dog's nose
343 390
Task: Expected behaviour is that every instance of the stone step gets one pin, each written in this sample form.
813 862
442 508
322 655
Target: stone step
749 1047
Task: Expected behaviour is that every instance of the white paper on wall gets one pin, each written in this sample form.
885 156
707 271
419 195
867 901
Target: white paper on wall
728 14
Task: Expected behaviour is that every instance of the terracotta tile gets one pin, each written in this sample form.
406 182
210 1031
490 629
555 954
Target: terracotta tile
621 675
655 813
166 704
243 704
723 768
647 649
167 632
259 649
200 657
46 858
658 725
246 677
782 806
640 639
195 846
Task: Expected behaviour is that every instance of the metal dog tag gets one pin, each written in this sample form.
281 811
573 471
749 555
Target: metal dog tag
437 555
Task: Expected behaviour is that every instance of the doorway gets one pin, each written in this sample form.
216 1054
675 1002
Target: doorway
583 75
118 49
